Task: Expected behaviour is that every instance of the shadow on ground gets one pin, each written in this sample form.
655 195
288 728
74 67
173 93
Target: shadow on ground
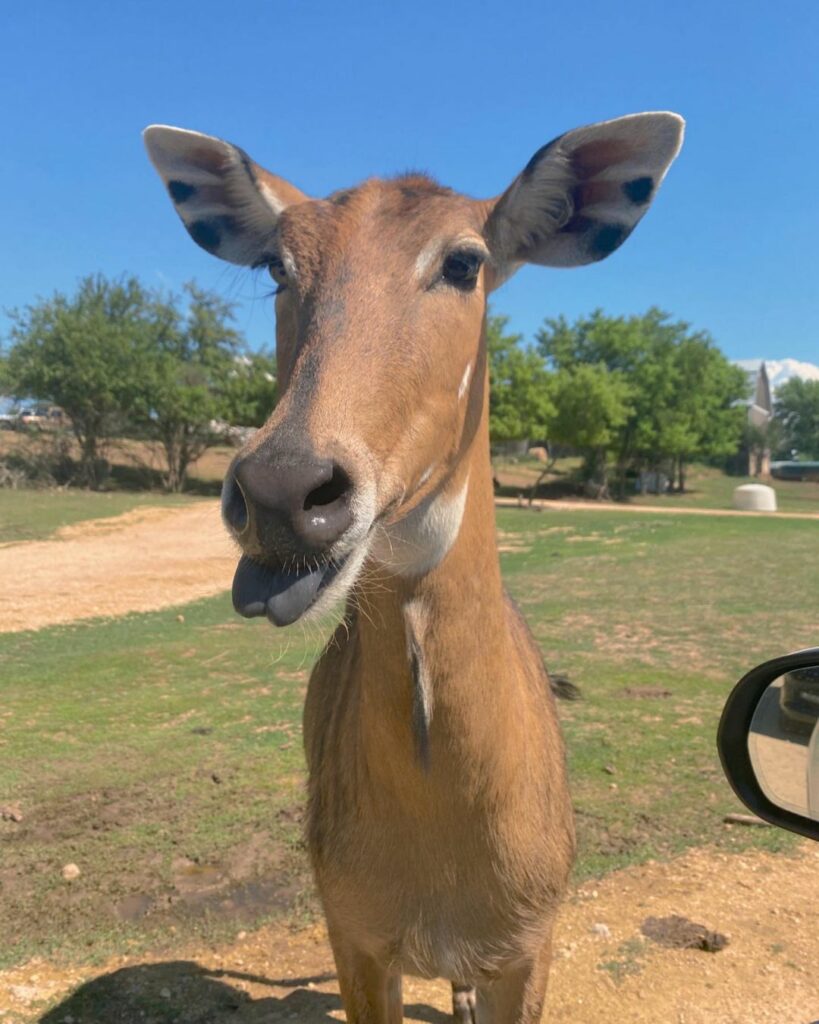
187 993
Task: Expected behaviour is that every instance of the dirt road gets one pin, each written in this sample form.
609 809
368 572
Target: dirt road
146 559
567 505
605 969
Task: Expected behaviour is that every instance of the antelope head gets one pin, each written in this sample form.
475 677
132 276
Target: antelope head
380 302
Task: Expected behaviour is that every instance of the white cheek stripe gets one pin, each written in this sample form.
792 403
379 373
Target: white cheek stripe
426 257
270 197
288 261
465 381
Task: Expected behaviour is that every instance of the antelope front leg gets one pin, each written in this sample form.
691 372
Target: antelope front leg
370 993
517 997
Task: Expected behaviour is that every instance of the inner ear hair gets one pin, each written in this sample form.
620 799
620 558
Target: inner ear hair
581 195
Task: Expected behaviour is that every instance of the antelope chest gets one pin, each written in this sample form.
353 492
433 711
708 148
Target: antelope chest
456 895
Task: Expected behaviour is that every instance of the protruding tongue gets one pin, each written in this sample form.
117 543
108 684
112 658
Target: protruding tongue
282 596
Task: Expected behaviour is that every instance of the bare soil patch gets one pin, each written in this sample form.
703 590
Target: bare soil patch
605 968
146 559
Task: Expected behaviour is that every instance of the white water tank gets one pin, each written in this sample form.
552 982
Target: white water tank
755 498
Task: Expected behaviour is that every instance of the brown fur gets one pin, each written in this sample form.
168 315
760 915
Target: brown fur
455 870
440 825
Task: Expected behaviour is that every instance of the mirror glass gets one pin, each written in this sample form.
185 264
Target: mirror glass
784 742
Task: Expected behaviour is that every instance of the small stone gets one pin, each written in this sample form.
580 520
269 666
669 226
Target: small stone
71 872
68 1019
180 618
613 785
165 993
11 812
241 935
602 931
25 993
609 769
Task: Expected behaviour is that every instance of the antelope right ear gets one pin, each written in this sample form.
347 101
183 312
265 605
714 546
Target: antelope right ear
580 196
229 204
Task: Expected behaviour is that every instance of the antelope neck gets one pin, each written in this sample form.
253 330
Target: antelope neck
432 650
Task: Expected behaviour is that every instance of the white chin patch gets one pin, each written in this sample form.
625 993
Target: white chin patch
338 590
420 541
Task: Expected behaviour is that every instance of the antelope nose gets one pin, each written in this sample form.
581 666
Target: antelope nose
306 501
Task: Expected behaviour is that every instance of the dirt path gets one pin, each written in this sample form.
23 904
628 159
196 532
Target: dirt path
605 969
157 557
146 559
567 505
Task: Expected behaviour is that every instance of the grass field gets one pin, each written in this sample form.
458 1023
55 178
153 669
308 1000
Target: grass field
161 753
706 487
33 515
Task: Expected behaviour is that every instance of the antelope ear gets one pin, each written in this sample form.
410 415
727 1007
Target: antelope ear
229 204
581 195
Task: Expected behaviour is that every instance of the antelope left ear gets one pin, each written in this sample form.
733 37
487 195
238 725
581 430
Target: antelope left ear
580 196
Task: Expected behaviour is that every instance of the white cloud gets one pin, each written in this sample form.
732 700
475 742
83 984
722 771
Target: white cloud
780 370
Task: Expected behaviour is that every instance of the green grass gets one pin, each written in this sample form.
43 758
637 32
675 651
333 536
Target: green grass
710 488
706 487
35 514
671 604
163 755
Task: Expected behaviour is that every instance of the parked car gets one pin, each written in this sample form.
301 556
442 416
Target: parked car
40 415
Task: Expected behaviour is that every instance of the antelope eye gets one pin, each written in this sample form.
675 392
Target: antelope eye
277 271
461 268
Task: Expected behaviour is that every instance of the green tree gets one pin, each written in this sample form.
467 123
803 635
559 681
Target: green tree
520 405
692 407
592 406
797 410
186 357
248 391
680 398
81 353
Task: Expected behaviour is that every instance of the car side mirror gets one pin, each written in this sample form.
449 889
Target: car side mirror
768 741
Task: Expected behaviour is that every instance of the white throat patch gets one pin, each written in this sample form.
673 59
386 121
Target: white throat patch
419 542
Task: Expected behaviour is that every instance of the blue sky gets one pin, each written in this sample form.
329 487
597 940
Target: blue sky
326 94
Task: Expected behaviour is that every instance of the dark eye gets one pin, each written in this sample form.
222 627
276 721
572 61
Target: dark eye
461 268
277 272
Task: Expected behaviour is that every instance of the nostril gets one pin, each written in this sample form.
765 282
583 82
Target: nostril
234 506
331 491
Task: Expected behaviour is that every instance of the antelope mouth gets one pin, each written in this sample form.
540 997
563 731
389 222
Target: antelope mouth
282 595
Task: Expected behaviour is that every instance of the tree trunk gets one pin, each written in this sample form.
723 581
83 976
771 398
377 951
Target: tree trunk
90 461
681 475
173 475
597 483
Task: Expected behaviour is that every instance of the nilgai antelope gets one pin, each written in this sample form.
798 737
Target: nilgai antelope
439 824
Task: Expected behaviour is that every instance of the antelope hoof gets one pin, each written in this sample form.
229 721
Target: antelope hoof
464 1004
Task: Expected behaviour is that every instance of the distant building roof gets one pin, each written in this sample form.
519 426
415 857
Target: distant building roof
759 400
